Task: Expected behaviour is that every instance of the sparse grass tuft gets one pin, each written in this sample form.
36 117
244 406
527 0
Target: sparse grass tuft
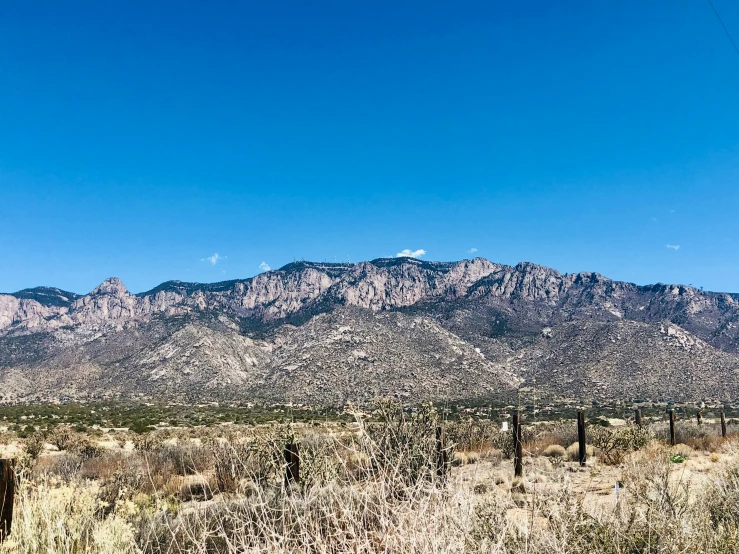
554 451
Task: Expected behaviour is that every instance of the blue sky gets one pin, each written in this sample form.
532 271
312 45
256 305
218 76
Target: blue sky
140 139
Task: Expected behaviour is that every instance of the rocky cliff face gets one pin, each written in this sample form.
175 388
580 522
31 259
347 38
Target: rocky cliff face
238 332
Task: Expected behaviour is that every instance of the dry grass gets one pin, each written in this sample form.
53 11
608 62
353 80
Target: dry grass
554 451
374 490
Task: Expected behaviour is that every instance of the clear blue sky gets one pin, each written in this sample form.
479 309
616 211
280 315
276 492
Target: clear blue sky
138 139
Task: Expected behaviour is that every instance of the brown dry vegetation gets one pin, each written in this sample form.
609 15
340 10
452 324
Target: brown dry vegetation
373 488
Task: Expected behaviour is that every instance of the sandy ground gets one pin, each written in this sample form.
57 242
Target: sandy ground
595 483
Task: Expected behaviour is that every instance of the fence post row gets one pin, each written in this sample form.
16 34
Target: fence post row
292 461
673 442
517 446
723 423
7 489
442 455
582 452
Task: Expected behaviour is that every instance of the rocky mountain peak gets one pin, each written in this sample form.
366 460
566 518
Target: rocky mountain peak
530 267
112 286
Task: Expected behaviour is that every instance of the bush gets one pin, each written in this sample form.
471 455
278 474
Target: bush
403 443
187 459
722 500
66 466
63 438
573 451
147 442
503 443
614 443
87 450
258 461
459 459
554 451
34 445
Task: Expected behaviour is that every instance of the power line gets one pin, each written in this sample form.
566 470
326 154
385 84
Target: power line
728 34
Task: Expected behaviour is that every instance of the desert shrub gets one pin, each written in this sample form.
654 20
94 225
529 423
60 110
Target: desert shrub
198 491
67 519
258 459
708 443
492 456
503 443
721 500
380 518
682 450
186 459
538 437
125 482
648 478
705 437
573 451
63 438
472 435
6 437
491 528
147 442
105 466
320 460
459 459
66 466
403 443
86 450
614 443
473 457
554 451
34 445
599 421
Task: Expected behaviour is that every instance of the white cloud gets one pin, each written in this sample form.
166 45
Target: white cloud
472 250
214 259
264 266
674 246
408 253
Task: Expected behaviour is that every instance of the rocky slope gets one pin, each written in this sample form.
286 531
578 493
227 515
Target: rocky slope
312 332
626 359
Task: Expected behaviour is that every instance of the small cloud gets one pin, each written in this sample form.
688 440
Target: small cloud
672 211
673 246
472 250
264 266
214 259
653 218
408 253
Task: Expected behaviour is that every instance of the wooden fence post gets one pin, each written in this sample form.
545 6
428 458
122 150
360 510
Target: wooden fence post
723 423
7 489
581 452
442 461
517 446
637 417
292 459
699 417
672 428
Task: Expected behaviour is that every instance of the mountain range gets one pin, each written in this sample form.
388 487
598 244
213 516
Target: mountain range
322 333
